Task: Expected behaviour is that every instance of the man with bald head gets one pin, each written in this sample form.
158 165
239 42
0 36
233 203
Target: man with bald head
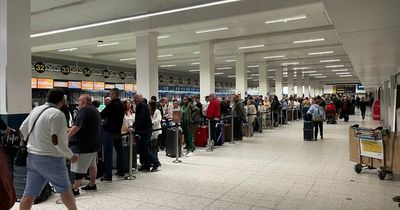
84 141
143 127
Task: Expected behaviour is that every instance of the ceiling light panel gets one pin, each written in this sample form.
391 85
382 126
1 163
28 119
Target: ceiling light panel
253 66
230 61
308 40
345 75
107 44
224 68
127 59
194 70
274 56
291 63
193 64
68 49
334 66
219 73
163 56
338 70
163 37
300 68
212 30
320 53
341 73
320 77
250 47
285 20
328 61
308 72
232 76
166 66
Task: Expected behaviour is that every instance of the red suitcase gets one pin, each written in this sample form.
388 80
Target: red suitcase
201 136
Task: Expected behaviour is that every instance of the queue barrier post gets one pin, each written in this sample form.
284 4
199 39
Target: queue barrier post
232 132
130 174
210 143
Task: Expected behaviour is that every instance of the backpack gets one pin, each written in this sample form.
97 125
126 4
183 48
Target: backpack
318 115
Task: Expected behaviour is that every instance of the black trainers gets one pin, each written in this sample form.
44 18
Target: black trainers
155 167
106 180
144 168
89 187
76 192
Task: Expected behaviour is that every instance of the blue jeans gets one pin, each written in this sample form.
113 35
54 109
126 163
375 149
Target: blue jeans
147 158
111 140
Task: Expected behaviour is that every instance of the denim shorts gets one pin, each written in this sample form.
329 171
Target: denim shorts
43 169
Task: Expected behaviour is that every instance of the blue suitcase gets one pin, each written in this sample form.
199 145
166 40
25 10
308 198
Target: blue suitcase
308 130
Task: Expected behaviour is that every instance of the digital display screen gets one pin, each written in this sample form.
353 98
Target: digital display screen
44 83
135 87
74 85
120 86
34 82
87 85
98 85
60 84
129 87
109 86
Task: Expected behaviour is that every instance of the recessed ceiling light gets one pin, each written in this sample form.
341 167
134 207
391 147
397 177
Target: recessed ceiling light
196 52
271 69
285 20
308 40
127 59
345 75
232 76
212 30
342 73
274 56
248 71
249 77
254 75
193 64
68 49
166 66
219 73
308 72
224 68
256 80
270 76
136 17
163 36
230 61
320 77
313 75
300 68
320 53
338 70
194 70
253 66
334 66
292 63
107 44
327 61
163 56
250 47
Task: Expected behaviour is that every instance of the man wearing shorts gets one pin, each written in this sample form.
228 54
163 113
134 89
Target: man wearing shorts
85 141
47 150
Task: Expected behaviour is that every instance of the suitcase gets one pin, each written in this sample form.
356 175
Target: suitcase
228 132
308 130
220 134
170 144
260 123
125 145
200 139
245 130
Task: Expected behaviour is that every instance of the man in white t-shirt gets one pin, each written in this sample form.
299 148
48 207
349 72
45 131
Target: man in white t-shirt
47 150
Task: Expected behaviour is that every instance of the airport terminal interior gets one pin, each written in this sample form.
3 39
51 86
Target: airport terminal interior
339 54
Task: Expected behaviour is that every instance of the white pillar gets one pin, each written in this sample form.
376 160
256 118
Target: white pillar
207 77
290 82
147 64
299 85
279 82
15 61
241 75
263 78
312 88
306 86
392 107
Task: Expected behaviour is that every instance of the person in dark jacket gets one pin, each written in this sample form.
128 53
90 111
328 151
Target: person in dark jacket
275 107
239 115
143 127
363 106
113 117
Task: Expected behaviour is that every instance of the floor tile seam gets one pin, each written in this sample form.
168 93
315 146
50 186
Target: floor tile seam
213 166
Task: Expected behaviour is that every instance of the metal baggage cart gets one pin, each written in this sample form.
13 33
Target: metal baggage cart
372 146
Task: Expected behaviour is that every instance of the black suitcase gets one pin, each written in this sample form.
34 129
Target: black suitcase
170 144
125 144
308 130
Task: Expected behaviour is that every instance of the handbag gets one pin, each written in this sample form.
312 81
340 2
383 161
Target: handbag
22 154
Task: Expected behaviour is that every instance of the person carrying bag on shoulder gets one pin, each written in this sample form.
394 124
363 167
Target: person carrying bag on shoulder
318 117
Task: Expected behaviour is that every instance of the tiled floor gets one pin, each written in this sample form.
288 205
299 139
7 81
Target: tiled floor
273 170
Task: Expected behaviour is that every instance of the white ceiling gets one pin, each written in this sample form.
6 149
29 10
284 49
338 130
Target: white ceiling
245 28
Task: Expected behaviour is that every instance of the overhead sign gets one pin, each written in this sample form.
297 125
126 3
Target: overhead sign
74 85
87 85
60 84
40 67
34 82
98 85
44 83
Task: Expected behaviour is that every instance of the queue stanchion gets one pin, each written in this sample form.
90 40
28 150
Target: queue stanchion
232 132
272 113
293 114
280 117
130 174
177 146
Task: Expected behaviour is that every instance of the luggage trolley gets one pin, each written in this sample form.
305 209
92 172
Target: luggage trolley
371 145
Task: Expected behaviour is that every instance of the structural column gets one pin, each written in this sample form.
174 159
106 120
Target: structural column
299 85
147 64
207 77
306 86
241 76
290 82
15 61
279 82
263 78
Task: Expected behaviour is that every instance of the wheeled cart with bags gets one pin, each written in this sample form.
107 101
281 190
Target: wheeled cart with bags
372 148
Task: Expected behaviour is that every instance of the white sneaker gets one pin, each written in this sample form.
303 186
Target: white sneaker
189 154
